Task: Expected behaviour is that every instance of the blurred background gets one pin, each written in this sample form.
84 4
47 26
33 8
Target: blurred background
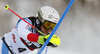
79 31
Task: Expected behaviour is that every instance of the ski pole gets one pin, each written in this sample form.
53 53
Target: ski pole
7 7
56 27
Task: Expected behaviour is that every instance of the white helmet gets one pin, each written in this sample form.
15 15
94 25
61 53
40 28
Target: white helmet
48 13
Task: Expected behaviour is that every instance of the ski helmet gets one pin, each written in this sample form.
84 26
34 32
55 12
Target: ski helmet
48 16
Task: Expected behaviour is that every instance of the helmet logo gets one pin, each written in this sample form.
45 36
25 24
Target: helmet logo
51 16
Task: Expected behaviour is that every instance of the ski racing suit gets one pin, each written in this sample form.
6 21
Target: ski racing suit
16 41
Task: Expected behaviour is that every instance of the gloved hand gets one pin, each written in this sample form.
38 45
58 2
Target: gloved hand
54 42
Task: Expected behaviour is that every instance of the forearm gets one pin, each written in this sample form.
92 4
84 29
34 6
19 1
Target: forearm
24 31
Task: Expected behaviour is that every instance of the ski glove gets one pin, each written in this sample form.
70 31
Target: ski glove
54 41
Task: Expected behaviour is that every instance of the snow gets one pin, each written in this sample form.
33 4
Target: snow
57 51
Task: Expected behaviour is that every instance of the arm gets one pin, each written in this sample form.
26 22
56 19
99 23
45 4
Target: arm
24 31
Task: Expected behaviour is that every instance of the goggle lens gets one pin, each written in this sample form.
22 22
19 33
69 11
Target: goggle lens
48 25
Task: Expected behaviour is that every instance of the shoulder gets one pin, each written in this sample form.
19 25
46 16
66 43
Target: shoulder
26 19
22 21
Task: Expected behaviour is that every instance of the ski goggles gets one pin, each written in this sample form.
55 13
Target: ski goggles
49 25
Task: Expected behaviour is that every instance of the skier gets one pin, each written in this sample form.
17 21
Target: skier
23 39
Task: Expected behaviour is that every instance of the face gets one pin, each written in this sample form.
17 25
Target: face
45 31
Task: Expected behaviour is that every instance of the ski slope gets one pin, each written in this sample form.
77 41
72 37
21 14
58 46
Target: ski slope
56 51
